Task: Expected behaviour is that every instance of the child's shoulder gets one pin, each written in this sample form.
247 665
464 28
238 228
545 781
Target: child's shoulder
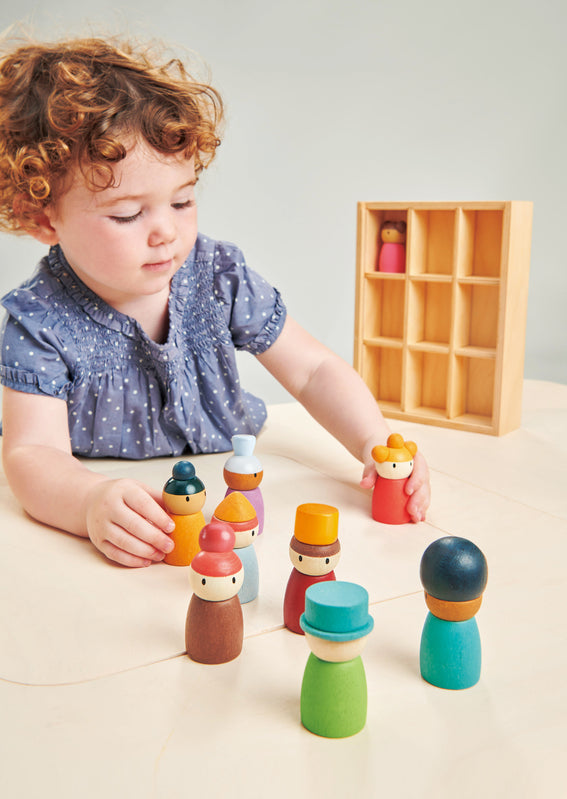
35 292
222 254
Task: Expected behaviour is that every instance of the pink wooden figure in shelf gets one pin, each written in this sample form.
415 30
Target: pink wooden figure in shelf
214 628
394 464
392 256
314 551
243 472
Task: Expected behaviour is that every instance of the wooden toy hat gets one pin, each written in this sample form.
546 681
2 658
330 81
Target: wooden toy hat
216 558
236 508
243 461
184 480
336 611
316 524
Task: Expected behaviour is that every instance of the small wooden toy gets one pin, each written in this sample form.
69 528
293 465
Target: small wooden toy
314 551
236 511
184 497
243 472
392 256
336 623
454 574
214 628
394 464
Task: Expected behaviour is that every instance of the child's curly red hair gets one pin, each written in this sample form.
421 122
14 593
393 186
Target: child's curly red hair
74 104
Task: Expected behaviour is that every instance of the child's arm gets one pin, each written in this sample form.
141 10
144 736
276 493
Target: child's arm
337 397
123 518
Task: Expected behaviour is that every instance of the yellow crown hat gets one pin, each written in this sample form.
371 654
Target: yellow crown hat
316 524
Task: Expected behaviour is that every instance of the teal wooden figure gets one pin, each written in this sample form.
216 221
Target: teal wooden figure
454 574
336 624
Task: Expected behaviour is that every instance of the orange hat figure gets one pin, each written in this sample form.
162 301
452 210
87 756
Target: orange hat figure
214 628
394 464
238 513
314 551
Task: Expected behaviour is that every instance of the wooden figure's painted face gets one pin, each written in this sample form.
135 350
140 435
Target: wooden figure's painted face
314 560
184 504
395 460
391 470
393 232
242 482
215 588
246 536
335 651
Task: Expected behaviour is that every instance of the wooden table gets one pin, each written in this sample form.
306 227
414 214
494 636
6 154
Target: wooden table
98 699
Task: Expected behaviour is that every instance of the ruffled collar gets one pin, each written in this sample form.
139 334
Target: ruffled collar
107 316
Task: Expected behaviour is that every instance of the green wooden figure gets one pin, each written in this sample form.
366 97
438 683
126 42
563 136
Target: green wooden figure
336 624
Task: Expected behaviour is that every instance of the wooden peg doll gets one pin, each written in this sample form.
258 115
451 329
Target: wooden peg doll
454 574
314 551
392 257
337 624
236 511
243 472
214 628
394 464
184 497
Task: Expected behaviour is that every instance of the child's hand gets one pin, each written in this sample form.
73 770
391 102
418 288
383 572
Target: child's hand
417 487
127 524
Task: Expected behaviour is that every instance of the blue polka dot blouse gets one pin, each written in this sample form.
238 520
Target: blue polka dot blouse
128 396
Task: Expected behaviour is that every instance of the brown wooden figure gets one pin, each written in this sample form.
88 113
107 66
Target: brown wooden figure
214 628
184 496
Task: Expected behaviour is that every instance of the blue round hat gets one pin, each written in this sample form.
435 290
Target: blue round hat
336 611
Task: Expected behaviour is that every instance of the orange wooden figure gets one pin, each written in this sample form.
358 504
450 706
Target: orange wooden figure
184 497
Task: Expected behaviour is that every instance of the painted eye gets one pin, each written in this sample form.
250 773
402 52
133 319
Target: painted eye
233 580
203 581
186 499
393 466
253 533
326 560
300 558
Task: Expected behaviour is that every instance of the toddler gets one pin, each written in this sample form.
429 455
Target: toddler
122 344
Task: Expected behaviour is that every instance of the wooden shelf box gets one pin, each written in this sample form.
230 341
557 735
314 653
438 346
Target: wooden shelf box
443 343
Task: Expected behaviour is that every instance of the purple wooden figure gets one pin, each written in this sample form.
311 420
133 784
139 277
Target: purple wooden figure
243 472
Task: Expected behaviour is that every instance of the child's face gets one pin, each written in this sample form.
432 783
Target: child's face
127 242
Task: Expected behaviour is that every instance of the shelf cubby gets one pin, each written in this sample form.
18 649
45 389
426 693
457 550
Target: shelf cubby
383 370
430 241
425 323
443 343
384 305
476 314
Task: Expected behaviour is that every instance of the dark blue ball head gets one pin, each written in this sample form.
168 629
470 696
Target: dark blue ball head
453 569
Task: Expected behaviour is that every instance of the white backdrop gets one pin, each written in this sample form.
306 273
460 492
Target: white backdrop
333 102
